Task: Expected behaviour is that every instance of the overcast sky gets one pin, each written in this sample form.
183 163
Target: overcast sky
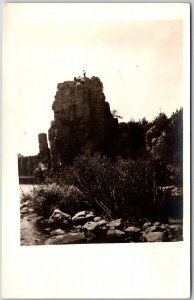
138 59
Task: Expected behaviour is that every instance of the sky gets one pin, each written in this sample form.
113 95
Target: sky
137 54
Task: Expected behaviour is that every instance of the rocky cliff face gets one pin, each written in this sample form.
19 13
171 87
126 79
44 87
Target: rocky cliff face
82 121
28 164
44 151
156 143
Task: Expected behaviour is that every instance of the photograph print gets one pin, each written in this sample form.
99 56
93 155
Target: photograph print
100 126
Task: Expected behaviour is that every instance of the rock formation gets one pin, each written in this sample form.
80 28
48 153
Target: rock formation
82 121
156 143
44 152
28 164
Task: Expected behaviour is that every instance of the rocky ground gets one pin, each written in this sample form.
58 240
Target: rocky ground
86 227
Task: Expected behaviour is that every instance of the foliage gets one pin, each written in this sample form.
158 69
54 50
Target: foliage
116 189
45 198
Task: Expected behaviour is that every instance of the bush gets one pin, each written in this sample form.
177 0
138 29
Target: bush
116 189
45 198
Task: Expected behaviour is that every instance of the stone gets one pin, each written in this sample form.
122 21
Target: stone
47 229
33 215
175 227
132 229
112 227
79 227
155 236
153 228
82 217
90 236
31 209
90 215
102 222
104 228
164 226
68 238
97 219
57 232
24 204
80 214
82 121
147 224
114 223
157 224
90 226
24 210
58 213
115 232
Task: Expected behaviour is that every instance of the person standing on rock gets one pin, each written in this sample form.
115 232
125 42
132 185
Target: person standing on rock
84 72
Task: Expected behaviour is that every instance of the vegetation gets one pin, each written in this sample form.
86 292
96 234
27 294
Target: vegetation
123 188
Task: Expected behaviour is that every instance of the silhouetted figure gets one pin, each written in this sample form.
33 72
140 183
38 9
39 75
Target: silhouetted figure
84 72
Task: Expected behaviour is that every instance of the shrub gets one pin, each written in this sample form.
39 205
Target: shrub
116 189
45 198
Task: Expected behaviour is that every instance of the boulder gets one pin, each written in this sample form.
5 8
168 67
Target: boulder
90 226
155 236
82 217
58 215
24 210
152 228
114 223
80 214
97 219
24 204
57 232
102 223
90 237
68 238
164 227
115 233
132 229
147 224
157 224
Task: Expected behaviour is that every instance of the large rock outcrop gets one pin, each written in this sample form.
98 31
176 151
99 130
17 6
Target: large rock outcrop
27 165
82 121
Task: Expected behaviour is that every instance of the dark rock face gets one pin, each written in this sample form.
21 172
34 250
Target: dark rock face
44 152
28 164
82 121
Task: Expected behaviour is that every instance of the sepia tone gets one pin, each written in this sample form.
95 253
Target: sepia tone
102 181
